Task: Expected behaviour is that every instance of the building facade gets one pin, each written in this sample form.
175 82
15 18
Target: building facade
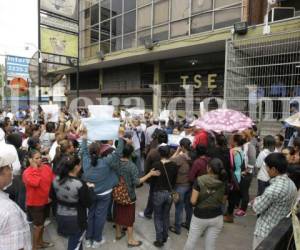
157 49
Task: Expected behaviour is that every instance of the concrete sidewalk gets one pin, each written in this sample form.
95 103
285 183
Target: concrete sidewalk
237 236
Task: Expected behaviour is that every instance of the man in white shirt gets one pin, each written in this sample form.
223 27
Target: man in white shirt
150 130
14 228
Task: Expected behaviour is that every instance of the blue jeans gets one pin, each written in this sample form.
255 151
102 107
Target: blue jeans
149 207
139 162
162 203
184 202
97 217
74 240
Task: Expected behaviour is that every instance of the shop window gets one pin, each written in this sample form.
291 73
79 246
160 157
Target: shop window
221 3
180 9
116 26
161 33
105 30
116 7
201 6
129 4
105 10
143 2
142 36
95 14
161 11
129 22
116 44
180 28
144 17
226 18
129 41
201 23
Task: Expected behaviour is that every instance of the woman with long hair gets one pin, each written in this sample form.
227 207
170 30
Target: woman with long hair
183 186
64 149
73 198
37 179
208 198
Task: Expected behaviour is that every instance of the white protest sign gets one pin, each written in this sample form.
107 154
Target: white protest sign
136 113
101 111
174 140
51 111
164 115
101 129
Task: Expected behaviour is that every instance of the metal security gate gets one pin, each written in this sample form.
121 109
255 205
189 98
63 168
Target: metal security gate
262 75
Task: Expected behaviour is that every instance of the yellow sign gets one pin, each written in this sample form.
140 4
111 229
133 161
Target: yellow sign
59 43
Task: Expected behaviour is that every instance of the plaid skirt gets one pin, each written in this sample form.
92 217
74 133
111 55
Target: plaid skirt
125 214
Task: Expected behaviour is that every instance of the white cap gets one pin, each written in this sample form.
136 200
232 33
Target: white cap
7 152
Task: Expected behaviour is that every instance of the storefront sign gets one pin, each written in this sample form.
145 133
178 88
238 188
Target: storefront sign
17 66
197 79
59 23
66 8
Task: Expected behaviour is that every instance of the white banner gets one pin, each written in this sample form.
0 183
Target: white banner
51 111
101 111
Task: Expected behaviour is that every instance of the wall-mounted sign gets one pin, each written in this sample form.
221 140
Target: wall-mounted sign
55 22
198 80
17 66
66 8
59 43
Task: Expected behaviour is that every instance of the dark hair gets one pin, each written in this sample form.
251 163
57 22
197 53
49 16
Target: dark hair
94 150
127 150
162 136
32 153
15 139
221 140
238 139
277 161
155 122
67 165
185 143
297 142
50 127
164 151
171 123
217 167
201 150
269 142
33 143
281 138
291 150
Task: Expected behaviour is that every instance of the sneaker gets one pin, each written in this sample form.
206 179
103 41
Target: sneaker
142 215
240 213
88 243
158 243
47 222
97 244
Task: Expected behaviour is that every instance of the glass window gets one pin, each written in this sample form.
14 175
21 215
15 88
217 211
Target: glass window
95 34
116 26
105 30
129 4
94 50
226 18
142 36
116 44
161 12
129 22
143 2
161 33
129 41
201 5
180 9
105 10
144 17
220 3
180 28
201 23
116 7
105 47
95 14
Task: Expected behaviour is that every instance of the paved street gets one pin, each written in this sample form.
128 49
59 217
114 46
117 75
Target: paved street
237 236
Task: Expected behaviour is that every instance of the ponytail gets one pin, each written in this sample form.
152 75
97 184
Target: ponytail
67 166
217 167
94 150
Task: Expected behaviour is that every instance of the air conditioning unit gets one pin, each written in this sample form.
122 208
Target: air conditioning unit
279 13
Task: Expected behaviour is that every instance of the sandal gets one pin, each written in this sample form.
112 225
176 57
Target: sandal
121 236
46 245
135 245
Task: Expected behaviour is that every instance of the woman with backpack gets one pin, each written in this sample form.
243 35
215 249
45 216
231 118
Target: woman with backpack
208 198
237 160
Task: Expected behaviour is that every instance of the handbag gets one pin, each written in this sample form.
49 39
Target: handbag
120 193
174 195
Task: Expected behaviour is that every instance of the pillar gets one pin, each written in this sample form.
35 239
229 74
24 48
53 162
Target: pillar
156 90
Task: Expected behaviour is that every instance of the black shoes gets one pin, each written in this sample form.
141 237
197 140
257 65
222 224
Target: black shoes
158 243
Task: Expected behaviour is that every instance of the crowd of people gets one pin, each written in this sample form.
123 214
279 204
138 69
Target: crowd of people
51 170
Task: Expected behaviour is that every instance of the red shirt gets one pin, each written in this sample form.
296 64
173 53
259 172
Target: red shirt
201 137
38 183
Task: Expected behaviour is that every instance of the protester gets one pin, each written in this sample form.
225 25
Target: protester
276 201
37 179
14 228
199 166
73 198
64 149
262 176
208 199
201 138
182 187
125 214
279 143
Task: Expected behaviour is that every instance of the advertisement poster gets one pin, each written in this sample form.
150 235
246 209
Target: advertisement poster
66 8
